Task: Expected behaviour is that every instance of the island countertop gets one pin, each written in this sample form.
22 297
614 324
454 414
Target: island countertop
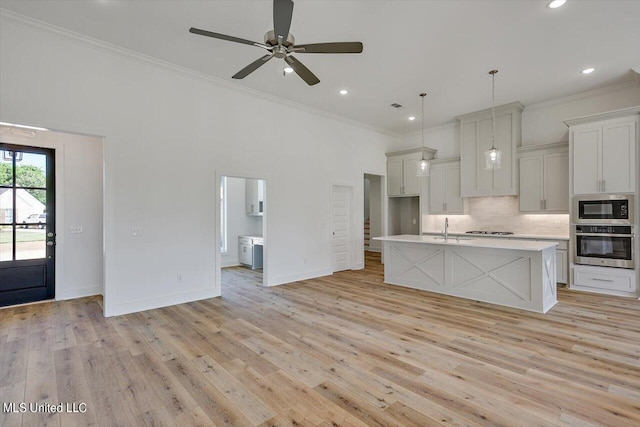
473 242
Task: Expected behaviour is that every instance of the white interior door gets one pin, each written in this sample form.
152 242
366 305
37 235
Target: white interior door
341 223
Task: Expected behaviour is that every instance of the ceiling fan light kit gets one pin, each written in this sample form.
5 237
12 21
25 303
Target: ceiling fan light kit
281 44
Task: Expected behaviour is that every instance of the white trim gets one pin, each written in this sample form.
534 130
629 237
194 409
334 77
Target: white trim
229 263
616 87
86 291
161 301
307 275
186 71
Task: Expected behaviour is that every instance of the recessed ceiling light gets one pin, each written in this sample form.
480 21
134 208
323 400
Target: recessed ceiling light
412 118
588 70
288 70
554 4
343 91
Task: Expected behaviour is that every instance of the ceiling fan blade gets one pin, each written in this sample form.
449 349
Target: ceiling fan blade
226 37
282 13
339 47
302 71
252 67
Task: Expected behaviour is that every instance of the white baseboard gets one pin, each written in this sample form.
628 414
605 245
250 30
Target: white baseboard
370 249
73 293
290 278
229 263
158 302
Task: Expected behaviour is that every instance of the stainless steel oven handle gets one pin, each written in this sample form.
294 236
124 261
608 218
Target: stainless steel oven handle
604 235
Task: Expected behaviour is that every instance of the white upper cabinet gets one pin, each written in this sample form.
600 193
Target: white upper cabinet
402 168
603 152
544 178
444 187
254 196
475 140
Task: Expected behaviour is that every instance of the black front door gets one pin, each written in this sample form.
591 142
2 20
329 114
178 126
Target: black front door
27 224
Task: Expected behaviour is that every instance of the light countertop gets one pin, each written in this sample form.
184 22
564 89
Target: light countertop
472 242
500 236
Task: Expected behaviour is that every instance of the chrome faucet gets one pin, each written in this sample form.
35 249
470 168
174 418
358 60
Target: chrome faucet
446 229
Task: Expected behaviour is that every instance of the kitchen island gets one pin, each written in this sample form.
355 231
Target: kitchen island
513 273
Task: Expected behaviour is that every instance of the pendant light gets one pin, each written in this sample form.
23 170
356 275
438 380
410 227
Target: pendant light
423 165
493 157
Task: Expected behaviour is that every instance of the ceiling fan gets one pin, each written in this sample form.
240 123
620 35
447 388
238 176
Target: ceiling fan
280 43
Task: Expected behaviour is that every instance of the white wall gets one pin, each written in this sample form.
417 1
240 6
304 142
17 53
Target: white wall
79 186
166 132
238 222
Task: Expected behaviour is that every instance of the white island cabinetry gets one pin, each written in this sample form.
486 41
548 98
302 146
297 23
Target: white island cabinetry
513 273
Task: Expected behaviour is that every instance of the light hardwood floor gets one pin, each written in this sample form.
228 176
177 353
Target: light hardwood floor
341 350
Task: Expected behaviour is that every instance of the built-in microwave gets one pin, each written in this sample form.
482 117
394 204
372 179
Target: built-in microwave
603 209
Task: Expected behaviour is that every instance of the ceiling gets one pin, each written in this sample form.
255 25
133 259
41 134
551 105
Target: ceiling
444 48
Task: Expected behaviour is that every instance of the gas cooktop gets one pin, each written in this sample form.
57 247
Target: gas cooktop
495 233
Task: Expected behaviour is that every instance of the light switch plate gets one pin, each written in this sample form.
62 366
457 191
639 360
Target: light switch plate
136 231
76 229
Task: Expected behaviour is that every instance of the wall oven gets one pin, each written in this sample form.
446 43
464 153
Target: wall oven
603 209
604 245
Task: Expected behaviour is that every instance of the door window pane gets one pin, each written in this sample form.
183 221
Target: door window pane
31 170
6 167
30 243
6 206
30 207
6 243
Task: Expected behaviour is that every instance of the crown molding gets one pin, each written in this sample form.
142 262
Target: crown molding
603 116
626 84
187 71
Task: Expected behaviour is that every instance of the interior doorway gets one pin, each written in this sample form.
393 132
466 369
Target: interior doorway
373 214
27 224
51 214
243 205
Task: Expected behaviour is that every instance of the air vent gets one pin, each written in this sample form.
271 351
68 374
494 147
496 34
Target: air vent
396 105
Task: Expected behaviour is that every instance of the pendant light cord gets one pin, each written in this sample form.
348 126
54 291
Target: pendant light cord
422 95
493 108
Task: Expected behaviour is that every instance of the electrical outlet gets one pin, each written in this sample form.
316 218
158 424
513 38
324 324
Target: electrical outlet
76 229
136 231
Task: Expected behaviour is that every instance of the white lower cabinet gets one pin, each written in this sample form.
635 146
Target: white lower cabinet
562 266
614 281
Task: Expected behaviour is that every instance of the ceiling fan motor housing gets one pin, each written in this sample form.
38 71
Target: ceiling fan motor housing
271 39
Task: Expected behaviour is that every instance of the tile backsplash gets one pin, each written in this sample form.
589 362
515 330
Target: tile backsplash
498 214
